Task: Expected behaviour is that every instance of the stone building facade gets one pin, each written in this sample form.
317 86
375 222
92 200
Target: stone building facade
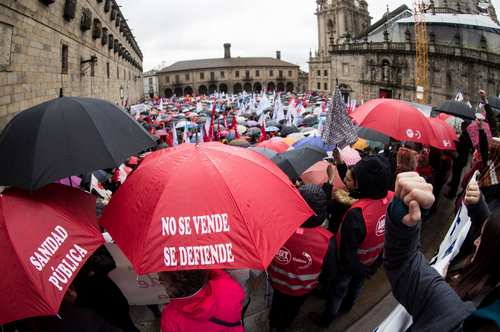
228 74
50 48
464 56
151 87
338 20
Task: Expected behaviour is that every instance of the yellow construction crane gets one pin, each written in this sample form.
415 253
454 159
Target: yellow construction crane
422 53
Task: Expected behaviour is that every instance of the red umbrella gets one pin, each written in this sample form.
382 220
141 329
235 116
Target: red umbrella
445 134
395 118
277 146
204 206
45 238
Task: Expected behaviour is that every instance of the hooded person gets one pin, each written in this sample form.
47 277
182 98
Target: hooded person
201 300
360 238
296 268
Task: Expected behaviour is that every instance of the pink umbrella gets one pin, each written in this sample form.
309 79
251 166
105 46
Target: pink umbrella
350 156
317 174
473 131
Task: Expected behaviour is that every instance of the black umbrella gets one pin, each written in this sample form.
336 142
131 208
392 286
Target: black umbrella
287 130
268 153
310 121
297 161
456 108
67 136
494 103
373 135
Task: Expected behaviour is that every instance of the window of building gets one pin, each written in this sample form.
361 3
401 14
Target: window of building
187 77
64 59
319 73
271 73
167 79
237 74
212 76
124 74
318 86
117 72
129 75
202 76
325 86
345 68
281 73
326 73
257 73
289 73
247 73
222 74
177 78
107 70
92 69
150 81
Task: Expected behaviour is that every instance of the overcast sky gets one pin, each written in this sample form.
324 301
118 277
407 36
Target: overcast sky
172 30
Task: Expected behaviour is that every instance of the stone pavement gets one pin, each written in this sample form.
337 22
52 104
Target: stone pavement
374 304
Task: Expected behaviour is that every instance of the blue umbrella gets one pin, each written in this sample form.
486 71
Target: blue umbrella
272 129
315 141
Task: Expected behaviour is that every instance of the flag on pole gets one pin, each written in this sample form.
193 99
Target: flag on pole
339 129
185 134
212 119
173 133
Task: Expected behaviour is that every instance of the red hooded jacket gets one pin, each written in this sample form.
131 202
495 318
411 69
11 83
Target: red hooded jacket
215 308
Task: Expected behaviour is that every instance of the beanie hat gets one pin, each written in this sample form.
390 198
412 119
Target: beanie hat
372 177
316 198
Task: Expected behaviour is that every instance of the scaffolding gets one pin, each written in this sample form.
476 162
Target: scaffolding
421 53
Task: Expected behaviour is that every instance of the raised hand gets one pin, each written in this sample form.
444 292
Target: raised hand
416 193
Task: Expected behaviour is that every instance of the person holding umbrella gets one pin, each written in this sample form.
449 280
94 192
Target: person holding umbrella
360 238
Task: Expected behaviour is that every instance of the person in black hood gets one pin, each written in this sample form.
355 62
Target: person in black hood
360 237
296 268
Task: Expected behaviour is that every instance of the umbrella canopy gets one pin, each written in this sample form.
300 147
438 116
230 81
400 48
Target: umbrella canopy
293 138
43 261
456 108
277 146
314 141
183 124
361 145
67 136
285 131
241 129
296 161
252 123
473 131
317 174
229 221
272 129
254 131
350 156
495 103
241 142
268 153
373 135
445 134
395 118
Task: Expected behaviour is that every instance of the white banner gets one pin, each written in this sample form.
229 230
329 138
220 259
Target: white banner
399 319
139 290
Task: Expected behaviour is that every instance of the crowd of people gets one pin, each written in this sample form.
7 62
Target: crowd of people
368 212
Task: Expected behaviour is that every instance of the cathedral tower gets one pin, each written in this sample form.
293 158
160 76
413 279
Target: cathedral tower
338 21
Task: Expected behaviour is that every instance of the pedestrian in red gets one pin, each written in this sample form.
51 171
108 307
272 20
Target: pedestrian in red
296 268
202 300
